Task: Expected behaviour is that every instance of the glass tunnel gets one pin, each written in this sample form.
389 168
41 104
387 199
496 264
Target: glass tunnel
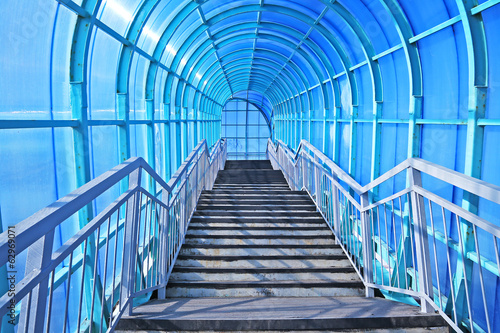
87 84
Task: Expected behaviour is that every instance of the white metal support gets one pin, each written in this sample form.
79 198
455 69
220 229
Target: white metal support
421 243
367 246
32 315
130 245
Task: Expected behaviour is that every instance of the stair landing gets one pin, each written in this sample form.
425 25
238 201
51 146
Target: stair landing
331 314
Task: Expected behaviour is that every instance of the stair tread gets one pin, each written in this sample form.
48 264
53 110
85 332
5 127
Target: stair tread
260 257
264 270
263 236
280 313
274 284
269 246
209 228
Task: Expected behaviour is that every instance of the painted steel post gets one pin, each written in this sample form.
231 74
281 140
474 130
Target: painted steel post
165 196
366 236
304 172
421 243
317 180
32 315
130 244
336 211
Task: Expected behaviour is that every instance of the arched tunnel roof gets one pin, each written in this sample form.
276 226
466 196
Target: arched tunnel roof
87 84
369 82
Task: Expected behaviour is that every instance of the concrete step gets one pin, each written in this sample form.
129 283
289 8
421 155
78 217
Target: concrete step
263 274
245 201
272 314
256 213
244 220
244 191
259 240
260 250
248 164
259 261
200 224
270 232
291 207
239 181
325 288
248 184
254 197
249 173
253 186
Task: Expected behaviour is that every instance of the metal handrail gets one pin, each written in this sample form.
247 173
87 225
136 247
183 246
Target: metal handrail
412 244
134 242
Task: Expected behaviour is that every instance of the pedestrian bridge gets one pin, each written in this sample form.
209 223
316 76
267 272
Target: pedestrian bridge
124 197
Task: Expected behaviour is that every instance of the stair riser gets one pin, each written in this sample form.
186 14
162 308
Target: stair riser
208 225
310 330
254 202
237 180
281 187
256 220
309 208
262 263
263 292
291 197
256 214
270 233
199 276
250 241
243 191
259 251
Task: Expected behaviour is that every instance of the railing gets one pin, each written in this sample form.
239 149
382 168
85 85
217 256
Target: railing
412 245
126 252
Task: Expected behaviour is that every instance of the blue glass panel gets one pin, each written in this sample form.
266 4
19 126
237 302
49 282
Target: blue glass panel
25 59
118 14
102 73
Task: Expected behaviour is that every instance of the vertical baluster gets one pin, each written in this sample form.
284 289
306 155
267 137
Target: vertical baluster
115 255
396 248
435 254
106 255
462 254
141 256
49 306
366 236
411 231
450 277
80 303
95 277
403 242
481 280
374 252
387 240
65 321
28 312
380 248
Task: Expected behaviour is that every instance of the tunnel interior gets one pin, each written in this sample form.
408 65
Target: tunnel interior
87 84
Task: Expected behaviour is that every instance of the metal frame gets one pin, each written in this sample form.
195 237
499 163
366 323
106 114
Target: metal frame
377 235
148 228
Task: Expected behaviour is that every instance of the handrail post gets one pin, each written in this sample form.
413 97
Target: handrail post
304 172
366 235
165 225
39 256
421 243
130 245
336 215
317 180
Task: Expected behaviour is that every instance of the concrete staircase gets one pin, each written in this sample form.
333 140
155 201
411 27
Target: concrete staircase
259 257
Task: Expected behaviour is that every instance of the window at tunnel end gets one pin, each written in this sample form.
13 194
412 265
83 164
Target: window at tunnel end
246 129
